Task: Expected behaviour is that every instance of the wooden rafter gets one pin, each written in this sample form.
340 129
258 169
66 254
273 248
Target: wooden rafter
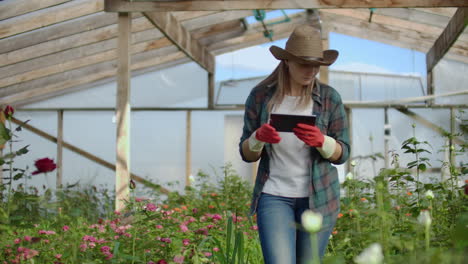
12 8
42 18
165 6
454 28
168 24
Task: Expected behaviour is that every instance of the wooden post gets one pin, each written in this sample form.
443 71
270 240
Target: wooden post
122 175
349 114
452 132
59 149
188 148
387 132
2 120
211 88
325 44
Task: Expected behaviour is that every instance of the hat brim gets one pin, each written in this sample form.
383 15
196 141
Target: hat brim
329 56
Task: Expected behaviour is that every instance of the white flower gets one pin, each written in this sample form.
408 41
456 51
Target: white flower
429 194
191 178
353 163
424 218
311 221
349 176
371 255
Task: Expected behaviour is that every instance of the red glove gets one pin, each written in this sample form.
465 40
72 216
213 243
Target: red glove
311 135
268 134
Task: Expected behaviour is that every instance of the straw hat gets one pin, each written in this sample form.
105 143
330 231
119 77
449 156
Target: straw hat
305 46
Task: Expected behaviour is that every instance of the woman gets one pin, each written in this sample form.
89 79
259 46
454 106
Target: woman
295 171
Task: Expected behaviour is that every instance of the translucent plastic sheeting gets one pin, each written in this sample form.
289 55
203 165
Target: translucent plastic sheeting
450 76
401 130
352 86
179 86
157 147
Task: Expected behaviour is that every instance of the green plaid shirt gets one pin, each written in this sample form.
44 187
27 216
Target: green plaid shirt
324 186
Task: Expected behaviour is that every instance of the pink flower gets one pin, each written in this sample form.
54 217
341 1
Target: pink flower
46 232
17 241
207 254
105 249
159 226
150 207
215 249
161 261
184 228
254 227
65 228
202 231
216 217
83 247
58 256
186 242
28 238
166 240
179 259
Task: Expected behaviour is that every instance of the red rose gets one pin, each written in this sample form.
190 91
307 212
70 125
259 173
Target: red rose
44 165
162 261
8 111
466 187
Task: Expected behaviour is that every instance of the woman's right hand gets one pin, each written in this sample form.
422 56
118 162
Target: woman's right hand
268 134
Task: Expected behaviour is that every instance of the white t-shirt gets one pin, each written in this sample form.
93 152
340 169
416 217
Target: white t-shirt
289 164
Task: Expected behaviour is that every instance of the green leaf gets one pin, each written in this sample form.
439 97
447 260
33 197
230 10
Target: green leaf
4 134
422 167
22 151
18 176
20 127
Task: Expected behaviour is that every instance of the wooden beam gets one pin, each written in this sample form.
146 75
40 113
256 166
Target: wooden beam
122 166
211 89
12 8
81 61
454 28
429 124
86 154
391 35
59 149
188 148
66 43
173 30
43 18
165 6
168 60
89 74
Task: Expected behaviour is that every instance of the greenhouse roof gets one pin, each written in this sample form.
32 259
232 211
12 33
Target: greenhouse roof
49 48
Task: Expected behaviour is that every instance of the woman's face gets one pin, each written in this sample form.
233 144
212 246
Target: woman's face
302 74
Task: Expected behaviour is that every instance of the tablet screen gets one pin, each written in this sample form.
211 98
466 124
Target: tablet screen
286 123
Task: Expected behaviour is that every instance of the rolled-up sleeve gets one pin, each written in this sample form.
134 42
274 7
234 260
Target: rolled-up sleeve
250 120
338 127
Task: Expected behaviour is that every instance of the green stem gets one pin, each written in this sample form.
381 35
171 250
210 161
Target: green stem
315 249
427 235
10 168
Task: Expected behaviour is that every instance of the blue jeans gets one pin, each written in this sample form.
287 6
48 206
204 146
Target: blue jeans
278 219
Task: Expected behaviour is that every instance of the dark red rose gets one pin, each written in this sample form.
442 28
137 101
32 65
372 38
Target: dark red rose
162 261
9 111
466 187
44 165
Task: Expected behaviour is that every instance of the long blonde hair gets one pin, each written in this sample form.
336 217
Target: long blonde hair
280 76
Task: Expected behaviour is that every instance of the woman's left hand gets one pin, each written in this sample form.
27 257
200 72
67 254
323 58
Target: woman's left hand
311 135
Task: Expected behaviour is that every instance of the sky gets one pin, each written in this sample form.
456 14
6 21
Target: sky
355 55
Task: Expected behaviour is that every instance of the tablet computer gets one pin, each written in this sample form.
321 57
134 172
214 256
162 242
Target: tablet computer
286 123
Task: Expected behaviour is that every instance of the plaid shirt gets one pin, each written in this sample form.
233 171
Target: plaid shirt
331 119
